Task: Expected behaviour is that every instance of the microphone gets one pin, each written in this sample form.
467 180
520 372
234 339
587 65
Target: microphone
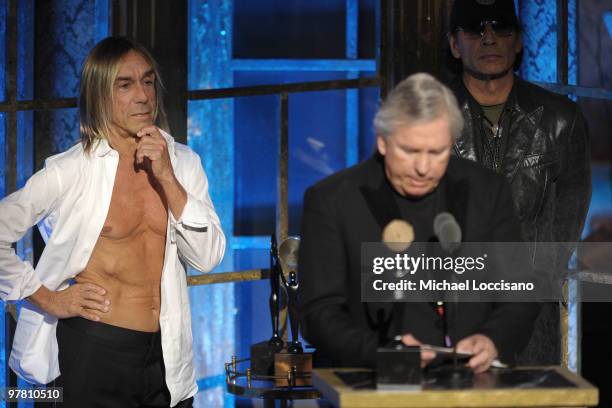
448 231
398 235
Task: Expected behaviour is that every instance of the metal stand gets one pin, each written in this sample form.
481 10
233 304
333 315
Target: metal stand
245 384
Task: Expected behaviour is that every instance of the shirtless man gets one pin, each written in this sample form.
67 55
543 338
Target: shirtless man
123 206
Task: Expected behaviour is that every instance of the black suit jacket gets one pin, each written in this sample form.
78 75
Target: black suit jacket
353 206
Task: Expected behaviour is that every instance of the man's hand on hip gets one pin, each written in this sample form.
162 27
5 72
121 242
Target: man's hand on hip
81 299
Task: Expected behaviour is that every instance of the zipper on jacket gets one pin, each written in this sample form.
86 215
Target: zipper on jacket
496 143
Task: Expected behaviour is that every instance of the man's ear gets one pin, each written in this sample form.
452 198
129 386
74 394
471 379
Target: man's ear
381 144
454 47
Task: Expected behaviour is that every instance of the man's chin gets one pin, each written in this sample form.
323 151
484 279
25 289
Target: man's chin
417 191
490 74
138 127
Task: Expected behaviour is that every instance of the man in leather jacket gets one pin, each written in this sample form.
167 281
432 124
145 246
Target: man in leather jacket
537 139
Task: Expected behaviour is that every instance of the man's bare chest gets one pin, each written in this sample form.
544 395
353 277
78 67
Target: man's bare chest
136 207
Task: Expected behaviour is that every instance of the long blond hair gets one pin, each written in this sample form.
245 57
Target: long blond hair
96 92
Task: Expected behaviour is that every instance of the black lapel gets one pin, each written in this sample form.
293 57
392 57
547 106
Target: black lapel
525 119
380 200
466 143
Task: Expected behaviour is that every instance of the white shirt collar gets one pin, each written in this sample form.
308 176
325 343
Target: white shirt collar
101 148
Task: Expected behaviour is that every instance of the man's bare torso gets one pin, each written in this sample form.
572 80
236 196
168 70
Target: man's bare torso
128 258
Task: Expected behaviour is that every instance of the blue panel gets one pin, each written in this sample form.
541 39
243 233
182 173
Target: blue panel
316 147
572 60
540 40
102 19
352 95
66 31
253 313
256 127
607 18
352 32
25 90
252 78
25 52
3 14
209 37
25 168
253 242
289 29
210 134
369 29
368 105
56 131
352 127
211 382
539 21
303 65
212 309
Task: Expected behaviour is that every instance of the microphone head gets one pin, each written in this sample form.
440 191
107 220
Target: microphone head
288 253
441 219
448 231
398 235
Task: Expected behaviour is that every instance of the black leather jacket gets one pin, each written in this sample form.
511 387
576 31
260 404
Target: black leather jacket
546 158
543 150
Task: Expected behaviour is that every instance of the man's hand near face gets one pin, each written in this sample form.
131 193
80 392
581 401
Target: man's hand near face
152 154
482 349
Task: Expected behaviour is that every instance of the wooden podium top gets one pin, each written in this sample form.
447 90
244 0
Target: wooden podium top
541 387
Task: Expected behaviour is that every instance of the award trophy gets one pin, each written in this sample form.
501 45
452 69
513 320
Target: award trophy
262 354
293 359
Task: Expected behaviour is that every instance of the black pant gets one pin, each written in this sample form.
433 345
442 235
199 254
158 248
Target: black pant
108 366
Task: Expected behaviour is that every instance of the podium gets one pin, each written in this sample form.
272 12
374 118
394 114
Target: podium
518 387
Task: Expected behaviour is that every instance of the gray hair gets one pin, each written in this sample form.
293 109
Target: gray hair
418 99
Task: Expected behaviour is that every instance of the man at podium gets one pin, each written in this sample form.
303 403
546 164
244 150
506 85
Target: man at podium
411 177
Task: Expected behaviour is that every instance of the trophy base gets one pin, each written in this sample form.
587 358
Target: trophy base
283 364
262 358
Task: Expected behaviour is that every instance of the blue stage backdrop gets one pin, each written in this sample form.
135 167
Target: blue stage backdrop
242 43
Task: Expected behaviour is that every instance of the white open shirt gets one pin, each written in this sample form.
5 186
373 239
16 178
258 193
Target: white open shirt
69 199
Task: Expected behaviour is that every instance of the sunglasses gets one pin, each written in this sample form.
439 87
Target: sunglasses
476 30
